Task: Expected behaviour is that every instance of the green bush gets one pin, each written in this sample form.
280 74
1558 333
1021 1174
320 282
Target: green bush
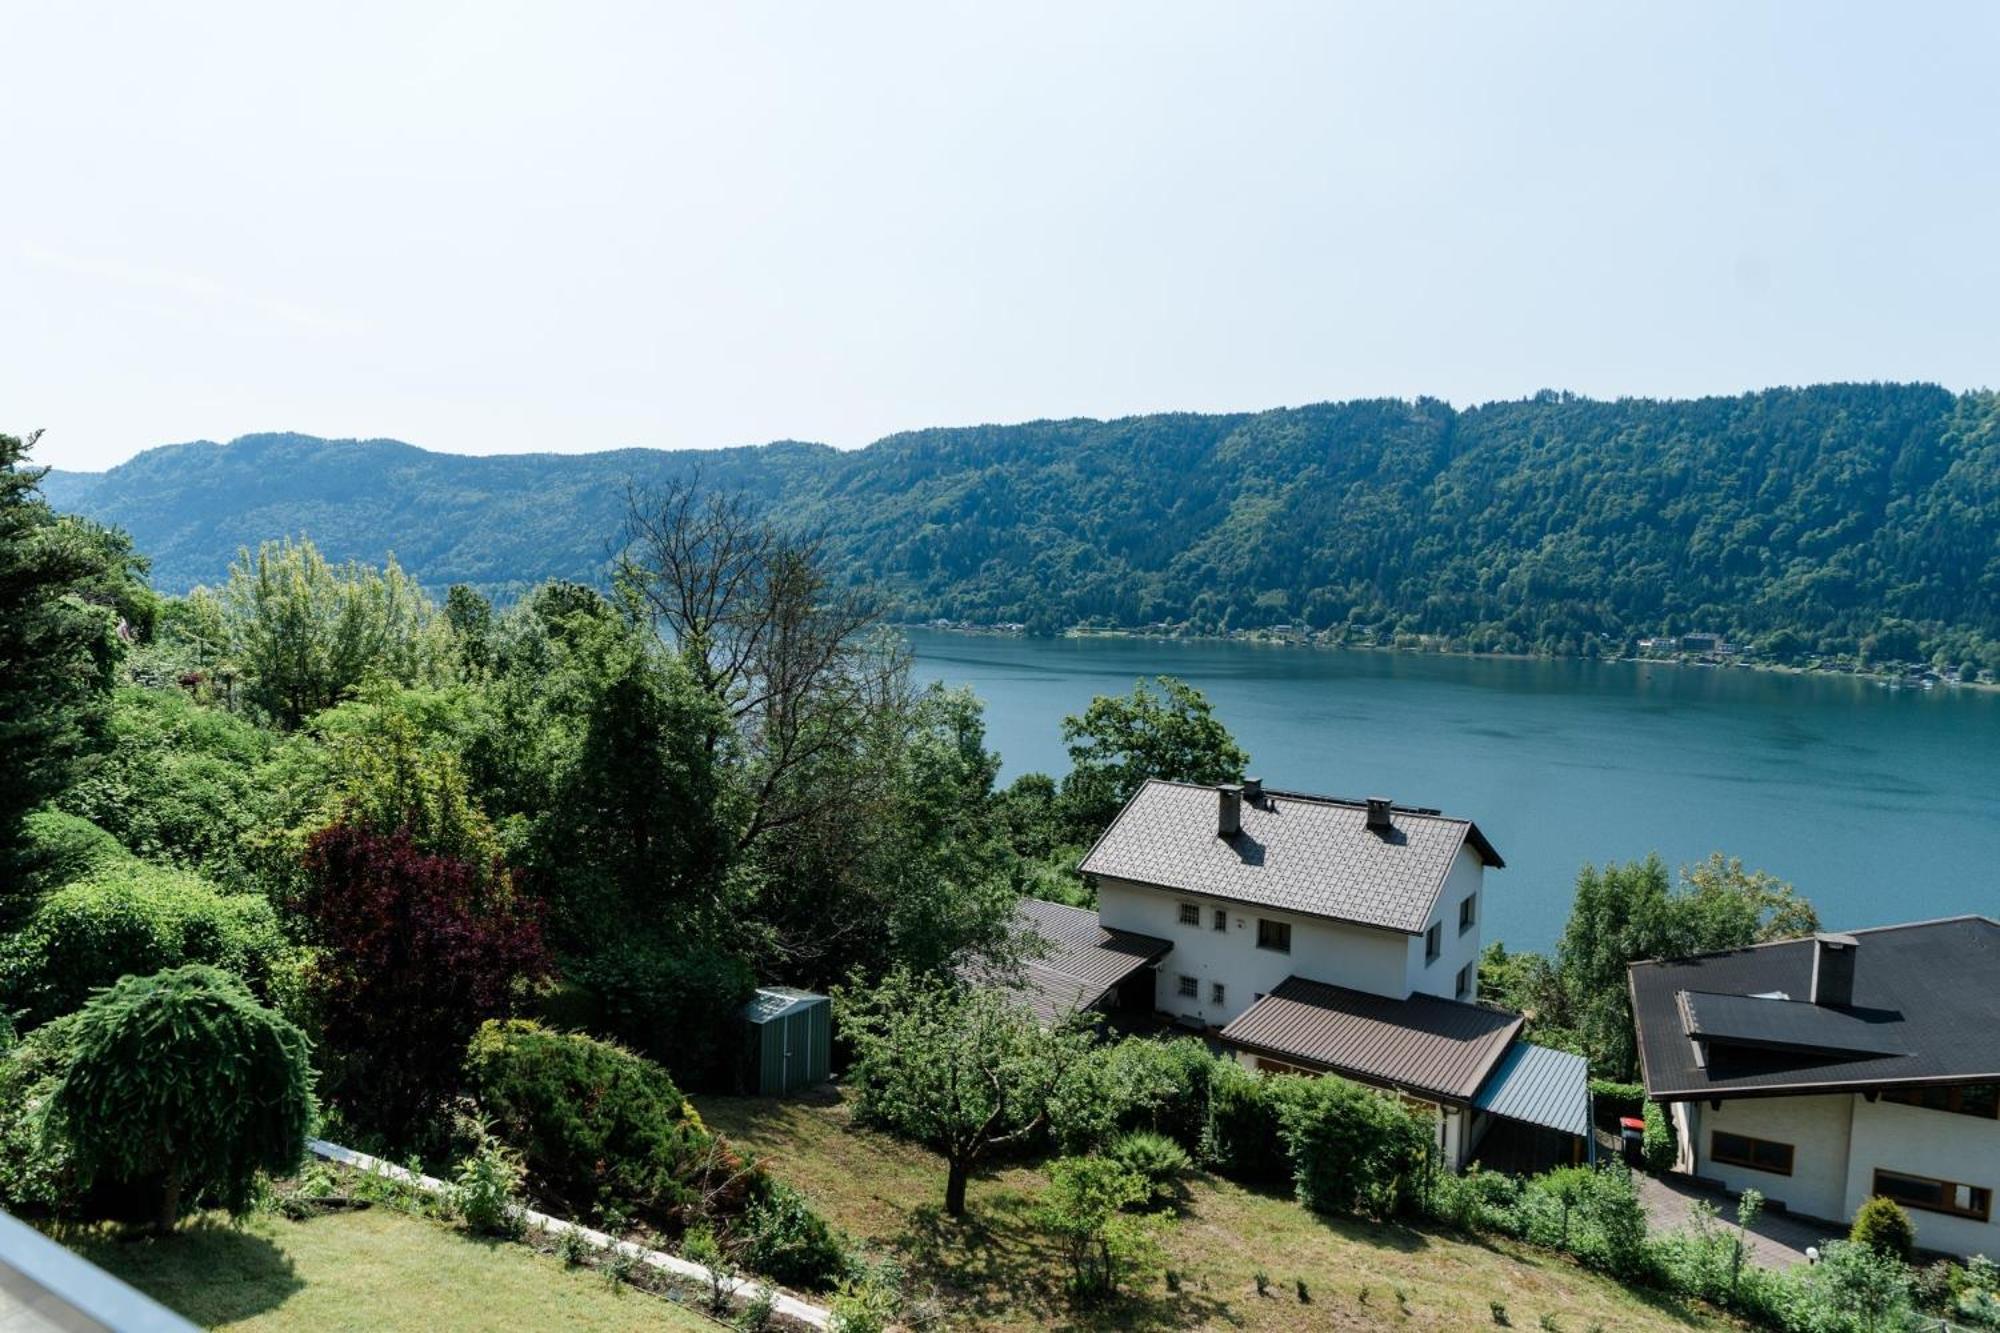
1156 1159
1353 1150
1240 1139
180 1089
784 1239
62 848
36 1174
133 920
1612 1101
1657 1147
675 1003
1161 1086
1883 1226
596 1125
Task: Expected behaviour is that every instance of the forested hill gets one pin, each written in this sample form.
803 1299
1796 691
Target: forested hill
1806 519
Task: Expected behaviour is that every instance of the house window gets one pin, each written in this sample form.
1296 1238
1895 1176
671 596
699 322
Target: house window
1757 1154
1464 990
1433 943
1221 919
1190 914
1215 992
1935 1196
1980 1099
1190 988
1468 912
1274 935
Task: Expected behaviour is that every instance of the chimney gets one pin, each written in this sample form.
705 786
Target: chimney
1378 813
1228 810
1253 791
1833 969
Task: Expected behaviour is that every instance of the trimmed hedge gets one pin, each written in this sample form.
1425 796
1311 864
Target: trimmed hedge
134 920
1353 1150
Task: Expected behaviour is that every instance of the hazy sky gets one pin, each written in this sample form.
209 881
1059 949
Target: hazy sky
580 226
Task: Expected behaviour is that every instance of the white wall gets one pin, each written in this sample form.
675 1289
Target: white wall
1467 878
1960 1148
1377 961
1817 1129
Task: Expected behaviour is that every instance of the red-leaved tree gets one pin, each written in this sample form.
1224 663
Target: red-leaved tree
415 951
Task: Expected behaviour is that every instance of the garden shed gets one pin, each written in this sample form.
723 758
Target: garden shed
791 1040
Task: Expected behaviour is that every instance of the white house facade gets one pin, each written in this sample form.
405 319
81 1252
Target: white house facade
1313 935
1824 1071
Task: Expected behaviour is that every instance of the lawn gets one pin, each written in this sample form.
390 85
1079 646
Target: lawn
993 1271
375 1269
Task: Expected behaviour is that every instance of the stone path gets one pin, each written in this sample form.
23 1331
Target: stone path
1778 1240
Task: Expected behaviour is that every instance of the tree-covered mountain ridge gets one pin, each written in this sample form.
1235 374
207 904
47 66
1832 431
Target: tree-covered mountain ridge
1832 518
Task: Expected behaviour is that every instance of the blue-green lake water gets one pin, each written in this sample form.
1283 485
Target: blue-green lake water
1880 805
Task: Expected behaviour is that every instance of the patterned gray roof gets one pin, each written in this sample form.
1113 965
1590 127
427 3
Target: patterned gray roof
1080 962
1424 1044
1309 854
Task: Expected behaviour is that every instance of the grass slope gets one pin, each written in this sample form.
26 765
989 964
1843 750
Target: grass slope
378 1270
995 1272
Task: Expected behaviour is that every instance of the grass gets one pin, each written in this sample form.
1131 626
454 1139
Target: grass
994 1271
375 1269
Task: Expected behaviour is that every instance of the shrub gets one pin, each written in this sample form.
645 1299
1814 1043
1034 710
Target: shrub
222 1085
1161 1086
1883 1226
672 1000
61 848
783 1238
36 1173
1353 1150
1477 1200
1611 1101
488 1178
132 920
1240 1139
701 1246
1157 1160
1657 1147
1085 1208
1852 1289
415 950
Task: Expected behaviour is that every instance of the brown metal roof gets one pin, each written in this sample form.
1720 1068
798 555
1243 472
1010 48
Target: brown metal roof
1923 1011
1079 961
1423 1044
1310 854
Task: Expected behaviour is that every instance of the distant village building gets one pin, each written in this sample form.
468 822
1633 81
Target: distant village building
1824 1071
1311 935
1703 644
1659 643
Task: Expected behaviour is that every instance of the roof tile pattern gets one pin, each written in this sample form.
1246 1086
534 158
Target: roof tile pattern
1924 1010
1081 961
1423 1044
1295 853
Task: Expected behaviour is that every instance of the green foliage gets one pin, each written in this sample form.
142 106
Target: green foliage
59 583
485 1186
308 633
701 1246
1241 1137
959 1070
867 1302
596 1125
59 849
136 919
1087 1210
1162 729
1353 1150
672 998
1656 1144
36 1173
785 1240
223 1085
1155 1159
1883 1226
1852 1289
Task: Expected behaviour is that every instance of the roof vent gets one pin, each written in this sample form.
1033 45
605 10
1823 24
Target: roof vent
1228 810
1833 969
1253 791
1378 813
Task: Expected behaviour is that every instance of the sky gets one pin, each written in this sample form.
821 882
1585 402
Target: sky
492 228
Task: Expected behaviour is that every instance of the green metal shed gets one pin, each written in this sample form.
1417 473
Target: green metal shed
791 1040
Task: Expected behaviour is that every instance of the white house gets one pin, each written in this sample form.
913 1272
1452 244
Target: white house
1823 1071
1314 935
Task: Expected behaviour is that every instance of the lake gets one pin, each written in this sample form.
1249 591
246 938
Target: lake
1879 805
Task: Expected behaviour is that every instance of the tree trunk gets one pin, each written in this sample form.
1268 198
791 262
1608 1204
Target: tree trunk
170 1203
954 1188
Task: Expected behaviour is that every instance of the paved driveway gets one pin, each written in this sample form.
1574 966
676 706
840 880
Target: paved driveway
1778 1240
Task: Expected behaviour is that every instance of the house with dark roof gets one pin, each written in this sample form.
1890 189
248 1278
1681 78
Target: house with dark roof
1312 935
1823 1071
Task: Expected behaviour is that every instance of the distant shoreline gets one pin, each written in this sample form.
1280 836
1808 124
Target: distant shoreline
1896 682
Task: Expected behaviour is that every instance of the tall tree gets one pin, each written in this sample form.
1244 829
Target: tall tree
1162 729
59 641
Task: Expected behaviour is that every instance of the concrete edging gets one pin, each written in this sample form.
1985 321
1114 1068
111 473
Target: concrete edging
787 1305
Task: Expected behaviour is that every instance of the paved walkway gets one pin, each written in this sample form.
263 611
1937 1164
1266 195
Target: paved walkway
1778 1240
